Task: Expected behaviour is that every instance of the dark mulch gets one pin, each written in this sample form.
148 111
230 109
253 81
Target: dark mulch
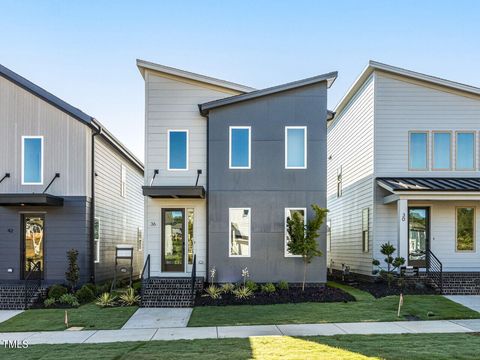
381 289
293 295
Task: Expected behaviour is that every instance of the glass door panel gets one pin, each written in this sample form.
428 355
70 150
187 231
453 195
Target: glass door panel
173 240
418 236
33 239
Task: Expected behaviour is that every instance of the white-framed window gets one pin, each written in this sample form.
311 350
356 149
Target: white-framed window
239 232
289 215
32 160
329 235
96 240
240 145
465 229
190 235
365 229
177 150
418 150
339 182
442 150
295 147
139 238
123 180
465 150
124 228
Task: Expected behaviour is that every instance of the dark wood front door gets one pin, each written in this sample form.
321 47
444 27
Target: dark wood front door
173 240
418 236
32 243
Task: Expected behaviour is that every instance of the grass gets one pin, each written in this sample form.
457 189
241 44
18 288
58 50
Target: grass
89 316
351 347
366 308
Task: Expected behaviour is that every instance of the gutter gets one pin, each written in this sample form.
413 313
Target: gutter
92 205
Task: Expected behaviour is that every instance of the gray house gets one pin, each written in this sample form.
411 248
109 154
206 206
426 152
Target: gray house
65 182
225 166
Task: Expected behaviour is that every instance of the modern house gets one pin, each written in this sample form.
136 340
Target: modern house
403 168
65 183
225 166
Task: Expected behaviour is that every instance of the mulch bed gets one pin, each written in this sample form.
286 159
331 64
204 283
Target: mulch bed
380 288
292 295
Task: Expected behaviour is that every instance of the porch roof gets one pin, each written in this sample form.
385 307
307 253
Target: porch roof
174 192
30 200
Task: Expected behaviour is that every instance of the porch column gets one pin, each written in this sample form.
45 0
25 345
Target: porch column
402 214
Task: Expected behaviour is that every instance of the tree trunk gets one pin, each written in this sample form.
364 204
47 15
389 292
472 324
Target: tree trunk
304 275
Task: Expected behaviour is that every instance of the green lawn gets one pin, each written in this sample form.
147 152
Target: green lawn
89 316
351 347
366 308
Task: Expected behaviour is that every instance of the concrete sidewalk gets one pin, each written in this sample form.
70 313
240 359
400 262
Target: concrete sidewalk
220 332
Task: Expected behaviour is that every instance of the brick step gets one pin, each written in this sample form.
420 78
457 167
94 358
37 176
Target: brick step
12 296
169 292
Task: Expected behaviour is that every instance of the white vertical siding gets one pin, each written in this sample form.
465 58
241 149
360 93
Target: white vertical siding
350 145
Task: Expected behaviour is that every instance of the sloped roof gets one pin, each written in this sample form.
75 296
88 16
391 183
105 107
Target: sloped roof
429 184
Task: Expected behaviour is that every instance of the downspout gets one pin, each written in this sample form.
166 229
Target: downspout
92 206
206 204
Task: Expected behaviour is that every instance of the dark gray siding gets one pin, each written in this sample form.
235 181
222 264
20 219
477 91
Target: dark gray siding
267 188
65 228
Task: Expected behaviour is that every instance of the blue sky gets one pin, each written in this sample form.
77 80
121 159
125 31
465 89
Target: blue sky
85 51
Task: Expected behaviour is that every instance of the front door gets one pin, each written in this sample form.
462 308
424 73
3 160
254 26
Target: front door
418 236
33 238
173 240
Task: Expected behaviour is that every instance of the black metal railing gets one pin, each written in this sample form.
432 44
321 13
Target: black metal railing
435 270
194 277
145 277
28 280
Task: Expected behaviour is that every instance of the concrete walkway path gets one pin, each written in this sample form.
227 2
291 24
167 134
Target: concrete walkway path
470 301
155 318
219 332
8 314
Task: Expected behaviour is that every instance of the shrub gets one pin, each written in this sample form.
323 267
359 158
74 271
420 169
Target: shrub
227 288
56 291
49 302
282 285
69 299
106 300
137 286
129 298
85 295
92 287
213 292
103 288
268 288
393 264
243 293
73 273
251 285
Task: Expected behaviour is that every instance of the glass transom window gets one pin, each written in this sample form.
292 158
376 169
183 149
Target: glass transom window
240 147
296 147
418 151
32 158
177 150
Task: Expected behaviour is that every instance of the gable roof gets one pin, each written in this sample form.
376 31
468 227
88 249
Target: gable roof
374 65
74 112
142 65
329 78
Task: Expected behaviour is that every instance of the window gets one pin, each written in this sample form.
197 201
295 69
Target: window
123 181
191 239
139 239
442 151
240 147
177 149
418 151
365 229
289 215
96 240
124 228
465 151
339 182
329 235
465 229
295 147
32 160
239 220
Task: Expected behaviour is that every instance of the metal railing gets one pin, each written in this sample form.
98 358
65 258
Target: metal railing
28 280
434 269
145 271
194 277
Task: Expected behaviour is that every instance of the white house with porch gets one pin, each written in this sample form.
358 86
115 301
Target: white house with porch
403 167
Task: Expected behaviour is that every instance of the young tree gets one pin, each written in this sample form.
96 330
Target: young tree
303 238
393 264
73 272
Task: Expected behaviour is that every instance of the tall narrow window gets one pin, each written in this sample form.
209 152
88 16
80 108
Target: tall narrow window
329 235
32 160
191 238
240 147
465 229
289 213
365 229
465 159
123 180
96 240
442 151
295 147
418 151
239 224
339 182
177 149
139 239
